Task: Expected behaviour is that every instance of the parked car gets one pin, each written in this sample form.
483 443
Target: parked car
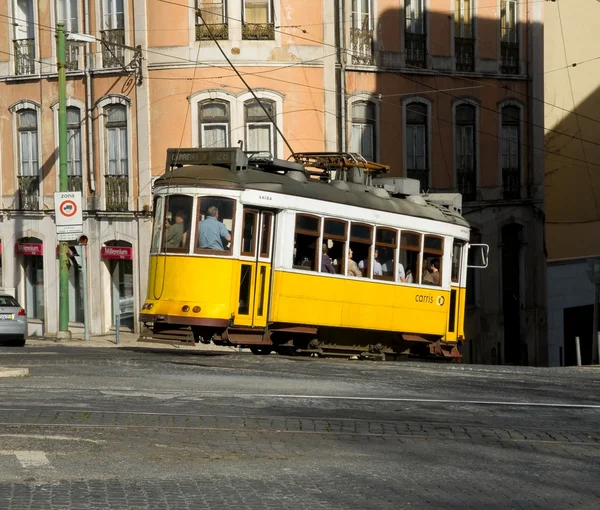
13 322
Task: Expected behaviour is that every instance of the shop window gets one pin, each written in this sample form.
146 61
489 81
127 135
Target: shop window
119 257
249 233
361 240
177 223
410 257
215 225
335 235
384 256
306 242
433 250
33 265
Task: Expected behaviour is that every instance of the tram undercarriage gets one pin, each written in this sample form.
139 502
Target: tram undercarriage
295 340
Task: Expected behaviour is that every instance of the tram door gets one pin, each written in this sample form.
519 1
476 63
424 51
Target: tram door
456 295
255 268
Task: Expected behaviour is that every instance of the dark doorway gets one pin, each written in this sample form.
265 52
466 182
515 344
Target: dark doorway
578 321
514 352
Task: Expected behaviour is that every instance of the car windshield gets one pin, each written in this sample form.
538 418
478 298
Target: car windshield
8 301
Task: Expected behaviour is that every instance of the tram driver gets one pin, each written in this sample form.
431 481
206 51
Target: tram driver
212 232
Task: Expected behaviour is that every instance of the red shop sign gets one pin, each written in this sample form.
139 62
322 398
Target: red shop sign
29 249
117 252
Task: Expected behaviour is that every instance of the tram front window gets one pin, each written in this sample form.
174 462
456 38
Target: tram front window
158 225
215 224
178 215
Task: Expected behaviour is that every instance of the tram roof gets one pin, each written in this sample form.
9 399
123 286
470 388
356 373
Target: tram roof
256 179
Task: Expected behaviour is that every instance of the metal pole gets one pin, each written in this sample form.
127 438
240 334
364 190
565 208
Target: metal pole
118 324
86 331
63 298
578 351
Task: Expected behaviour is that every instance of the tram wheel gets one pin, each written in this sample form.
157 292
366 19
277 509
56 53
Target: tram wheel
261 351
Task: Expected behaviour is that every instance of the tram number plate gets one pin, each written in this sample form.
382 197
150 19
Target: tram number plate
6 316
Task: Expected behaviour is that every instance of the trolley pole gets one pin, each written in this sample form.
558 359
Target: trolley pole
63 299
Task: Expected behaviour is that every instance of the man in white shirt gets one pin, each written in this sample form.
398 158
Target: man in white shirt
377 269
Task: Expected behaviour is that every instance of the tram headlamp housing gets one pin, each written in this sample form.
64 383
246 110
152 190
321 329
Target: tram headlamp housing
196 309
185 308
148 306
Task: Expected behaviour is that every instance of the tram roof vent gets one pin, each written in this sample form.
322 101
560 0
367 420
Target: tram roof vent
341 185
451 201
297 176
379 192
417 199
398 185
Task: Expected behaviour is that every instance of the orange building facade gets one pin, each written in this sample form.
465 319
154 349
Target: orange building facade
443 91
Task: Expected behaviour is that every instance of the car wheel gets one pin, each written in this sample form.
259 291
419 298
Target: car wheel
20 342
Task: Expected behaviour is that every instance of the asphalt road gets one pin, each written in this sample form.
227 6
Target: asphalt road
129 427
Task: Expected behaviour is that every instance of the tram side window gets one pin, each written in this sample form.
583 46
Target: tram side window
215 223
178 216
157 227
433 250
457 249
361 241
384 258
306 242
410 255
249 233
335 235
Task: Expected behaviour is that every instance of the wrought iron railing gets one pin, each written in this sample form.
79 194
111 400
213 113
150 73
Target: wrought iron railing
117 192
464 51
29 192
467 184
361 42
258 31
416 50
509 58
219 31
112 54
72 51
422 176
75 183
24 56
511 183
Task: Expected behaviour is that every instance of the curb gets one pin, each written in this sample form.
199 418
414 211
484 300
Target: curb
14 372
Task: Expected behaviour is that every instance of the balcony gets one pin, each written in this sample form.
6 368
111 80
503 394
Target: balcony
511 183
416 50
464 52
75 183
219 31
467 184
361 43
113 56
72 53
24 56
422 176
29 191
509 58
117 192
258 31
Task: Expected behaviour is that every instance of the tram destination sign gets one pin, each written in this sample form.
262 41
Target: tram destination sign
201 156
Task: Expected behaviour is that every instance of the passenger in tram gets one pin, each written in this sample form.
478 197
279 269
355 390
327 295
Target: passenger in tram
401 273
431 274
326 265
377 268
175 235
353 269
211 232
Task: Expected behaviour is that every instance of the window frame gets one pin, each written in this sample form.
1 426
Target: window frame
262 121
208 121
436 253
459 19
413 7
418 250
357 13
33 136
394 247
316 233
165 209
109 11
458 143
270 12
119 126
509 34
368 271
337 238
257 228
269 237
67 12
70 149
362 123
194 237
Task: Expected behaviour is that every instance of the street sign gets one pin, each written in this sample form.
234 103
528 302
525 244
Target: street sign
70 229
67 207
68 237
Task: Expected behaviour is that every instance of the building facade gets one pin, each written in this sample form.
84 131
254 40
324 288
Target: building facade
572 153
441 90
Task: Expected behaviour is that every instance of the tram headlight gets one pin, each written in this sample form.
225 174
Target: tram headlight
185 308
196 309
148 306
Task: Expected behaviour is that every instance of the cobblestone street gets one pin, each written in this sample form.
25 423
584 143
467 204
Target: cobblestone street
134 427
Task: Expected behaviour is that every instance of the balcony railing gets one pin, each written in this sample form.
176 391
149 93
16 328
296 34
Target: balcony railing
464 51
72 51
117 192
75 183
112 55
467 184
219 31
511 183
422 176
29 191
258 31
361 42
24 56
509 56
416 54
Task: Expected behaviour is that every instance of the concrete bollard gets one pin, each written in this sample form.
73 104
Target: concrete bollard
578 351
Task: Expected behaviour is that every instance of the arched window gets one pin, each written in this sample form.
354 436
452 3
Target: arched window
511 151
214 123
74 148
28 168
417 164
117 157
466 174
362 138
260 131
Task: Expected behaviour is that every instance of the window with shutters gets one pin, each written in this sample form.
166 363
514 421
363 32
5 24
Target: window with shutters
214 123
74 169
28 169
416 129
465 139
362 138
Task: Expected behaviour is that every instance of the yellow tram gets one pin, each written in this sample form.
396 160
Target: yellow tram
324 254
